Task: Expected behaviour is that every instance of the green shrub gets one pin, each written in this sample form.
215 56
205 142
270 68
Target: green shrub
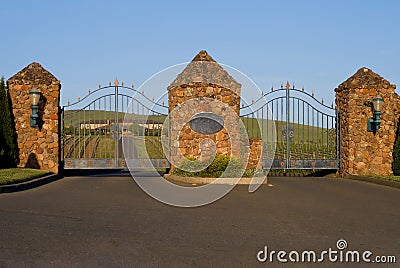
396 152
253 172
189 163
217 168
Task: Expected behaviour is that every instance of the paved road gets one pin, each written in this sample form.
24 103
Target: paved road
110 222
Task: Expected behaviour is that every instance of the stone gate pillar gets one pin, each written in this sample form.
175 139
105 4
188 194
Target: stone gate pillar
366 153
193 92
38 147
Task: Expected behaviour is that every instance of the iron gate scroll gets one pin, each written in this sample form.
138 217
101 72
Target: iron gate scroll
94 126
306 131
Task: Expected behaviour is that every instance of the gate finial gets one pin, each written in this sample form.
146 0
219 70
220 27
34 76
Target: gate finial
116 82
272 88
287 85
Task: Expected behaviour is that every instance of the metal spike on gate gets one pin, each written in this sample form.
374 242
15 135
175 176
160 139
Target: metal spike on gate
122 83
116 82
162 103
293 86
152 99
322 101
99 86
272 88
332 105
302 89
242 104
133 86
312 94
252 100
89 91
262 93
281 86
69 102
109 84
79 98
142 91
287 85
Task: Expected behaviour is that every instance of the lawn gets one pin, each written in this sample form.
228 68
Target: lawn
388 177
16 175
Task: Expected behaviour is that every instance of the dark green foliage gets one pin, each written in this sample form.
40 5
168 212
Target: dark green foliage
217 168
253 172
8 148
396 152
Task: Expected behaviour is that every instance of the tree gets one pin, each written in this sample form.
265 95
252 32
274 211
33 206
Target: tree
8 147
396 152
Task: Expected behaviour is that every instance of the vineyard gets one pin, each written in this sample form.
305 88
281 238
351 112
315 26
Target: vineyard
98 146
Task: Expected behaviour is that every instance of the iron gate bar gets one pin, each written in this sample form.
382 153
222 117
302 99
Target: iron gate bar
287 125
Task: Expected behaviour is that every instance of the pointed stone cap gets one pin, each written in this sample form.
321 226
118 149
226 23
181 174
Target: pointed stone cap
33 73
203 56
203 68
364 78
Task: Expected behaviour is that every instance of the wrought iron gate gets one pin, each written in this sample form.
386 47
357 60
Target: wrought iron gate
297 130
93 129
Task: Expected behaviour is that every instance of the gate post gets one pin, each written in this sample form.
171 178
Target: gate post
203 79
363 152
38 147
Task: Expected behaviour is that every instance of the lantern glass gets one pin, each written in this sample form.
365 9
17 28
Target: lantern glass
378 102
34 95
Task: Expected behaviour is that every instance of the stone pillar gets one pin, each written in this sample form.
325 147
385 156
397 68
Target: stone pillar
38 147
366 153
201 82
255 153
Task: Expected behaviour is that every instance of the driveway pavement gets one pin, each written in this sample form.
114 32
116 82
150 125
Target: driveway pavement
92 221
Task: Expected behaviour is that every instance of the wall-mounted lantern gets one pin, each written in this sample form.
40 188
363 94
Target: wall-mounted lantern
375 122
34 95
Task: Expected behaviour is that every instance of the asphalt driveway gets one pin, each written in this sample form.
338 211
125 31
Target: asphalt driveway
91 221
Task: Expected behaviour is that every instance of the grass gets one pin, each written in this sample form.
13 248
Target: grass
16 175
388 177
302 133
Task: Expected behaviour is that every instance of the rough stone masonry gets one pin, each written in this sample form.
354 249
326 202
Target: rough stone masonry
192 92
38 147
367 153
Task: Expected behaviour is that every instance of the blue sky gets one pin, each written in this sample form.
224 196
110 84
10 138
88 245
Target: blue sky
315 44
